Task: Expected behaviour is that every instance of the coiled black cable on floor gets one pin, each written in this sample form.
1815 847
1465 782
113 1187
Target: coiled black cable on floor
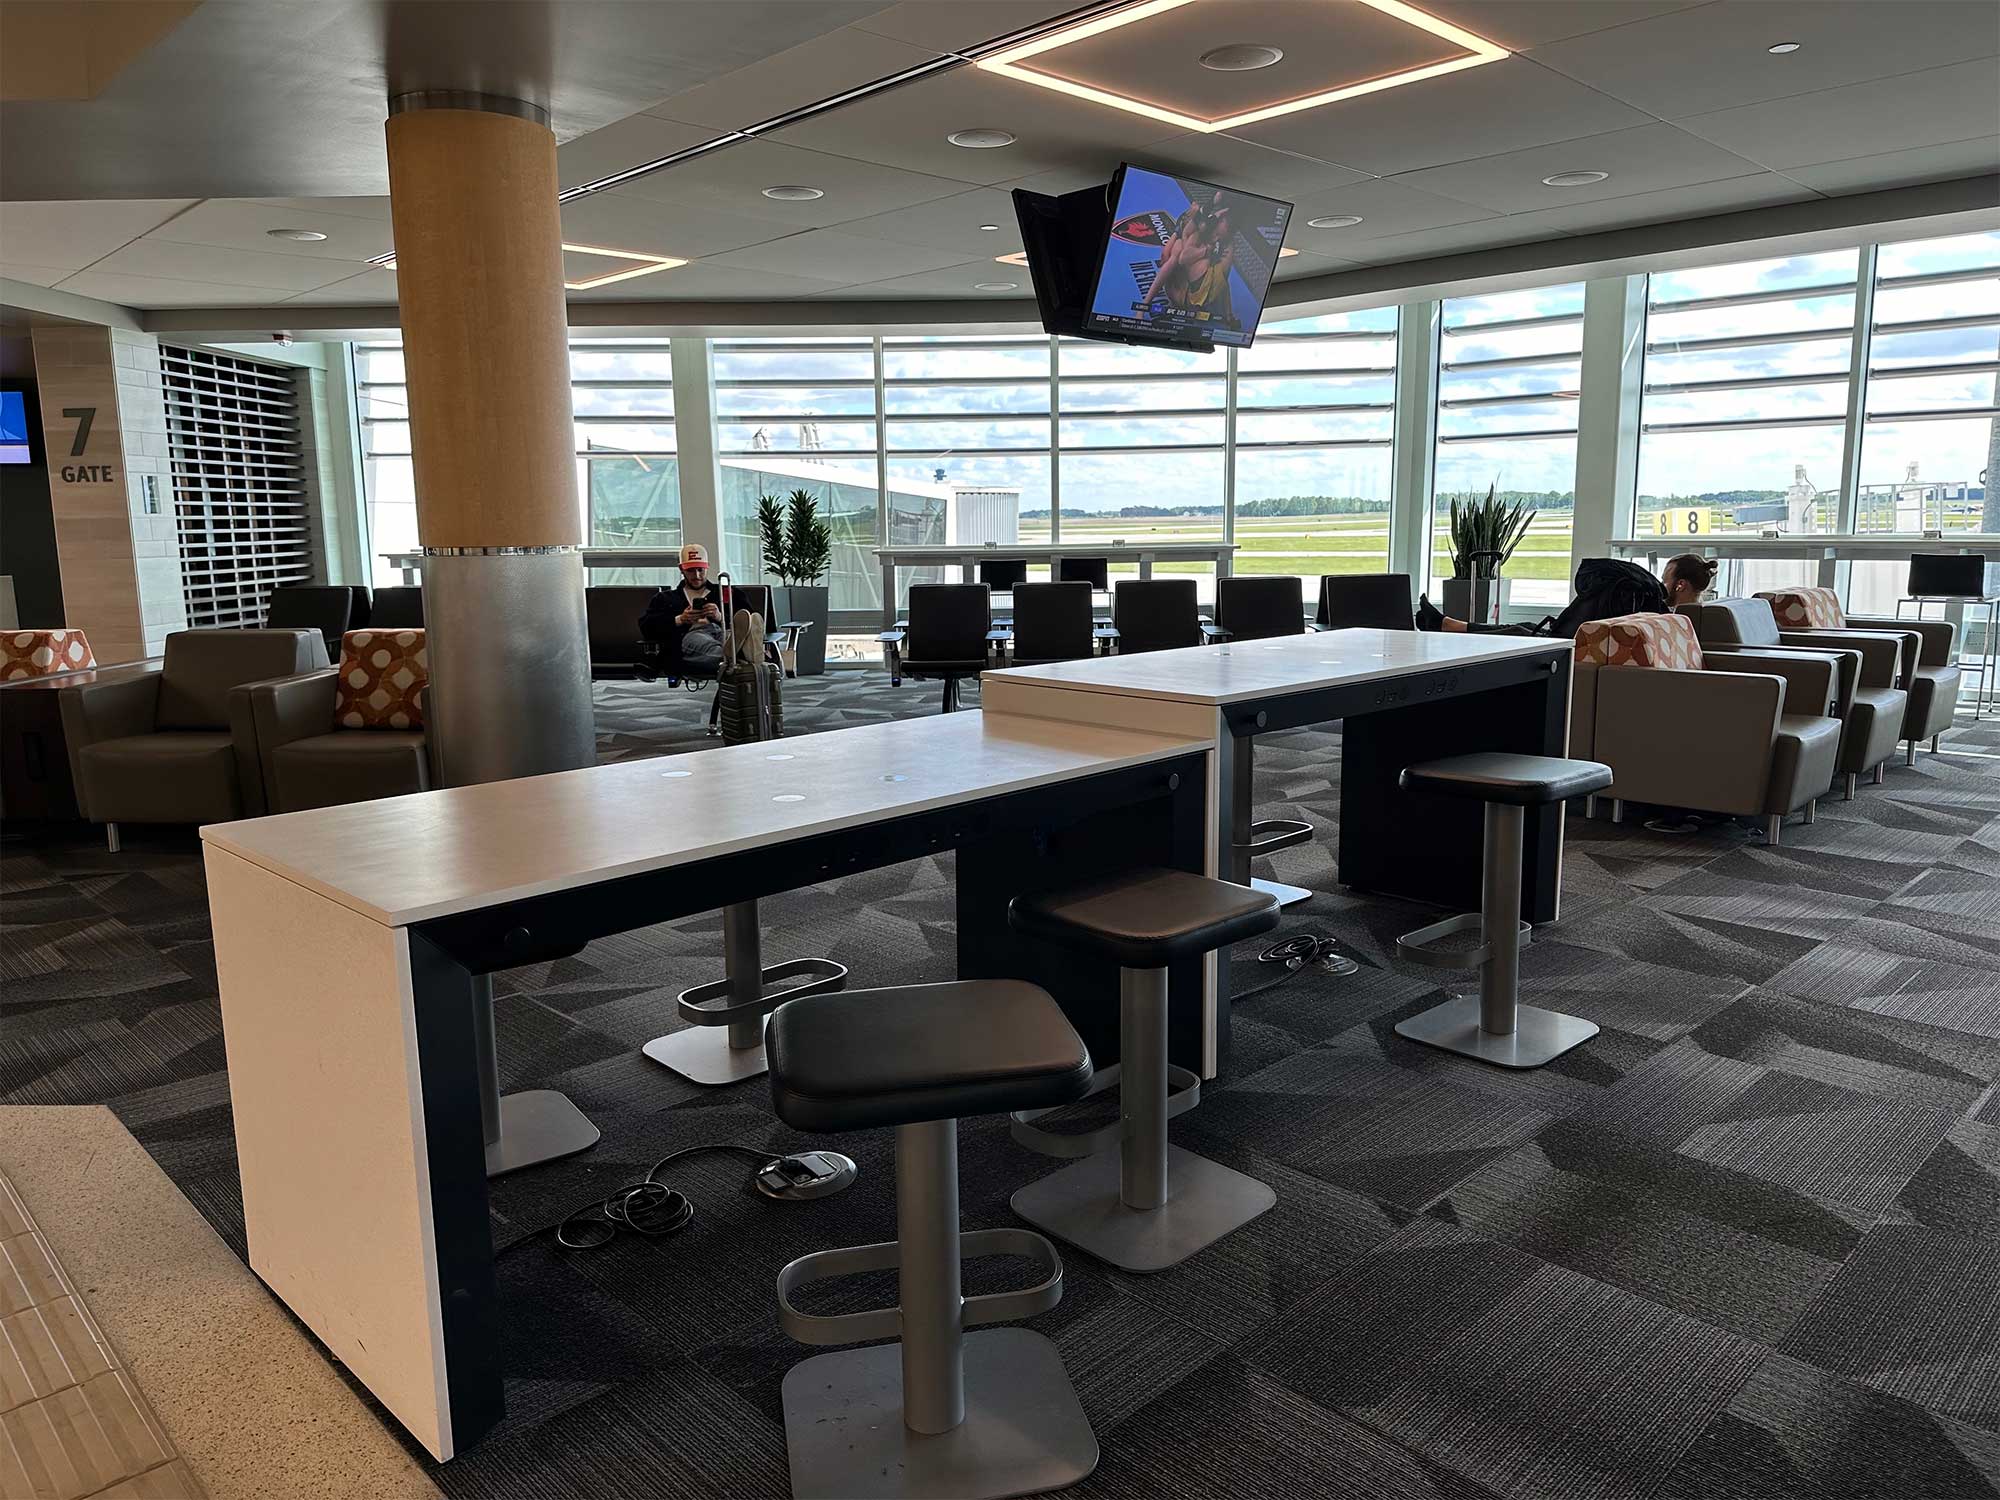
1297 953
648 1207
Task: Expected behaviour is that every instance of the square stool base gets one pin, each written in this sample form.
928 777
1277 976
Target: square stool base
1024 1430
537 1125
702 1054
1288 895
1205 1201
1538 1036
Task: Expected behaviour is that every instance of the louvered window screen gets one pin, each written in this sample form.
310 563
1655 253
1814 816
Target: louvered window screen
239 482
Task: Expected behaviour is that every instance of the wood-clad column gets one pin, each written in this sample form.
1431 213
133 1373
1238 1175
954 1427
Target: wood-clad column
472 193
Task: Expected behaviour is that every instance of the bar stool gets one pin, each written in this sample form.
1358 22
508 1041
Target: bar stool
1494 1026
1119 1205
747 993
530 1126
938 1413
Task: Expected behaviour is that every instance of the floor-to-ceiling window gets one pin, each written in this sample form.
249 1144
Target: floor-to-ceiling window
627 468
1508 381
1315 416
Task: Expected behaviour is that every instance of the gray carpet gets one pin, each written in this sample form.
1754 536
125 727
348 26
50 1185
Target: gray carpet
1743 1245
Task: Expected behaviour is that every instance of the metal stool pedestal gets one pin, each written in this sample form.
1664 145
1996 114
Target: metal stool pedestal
535 1125
724 1039
1250 837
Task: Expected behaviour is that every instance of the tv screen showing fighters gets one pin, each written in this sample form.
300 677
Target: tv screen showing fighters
1186 263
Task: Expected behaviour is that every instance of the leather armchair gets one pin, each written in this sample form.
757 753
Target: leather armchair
174 746
1871 707
1748 735
306 759
1932 682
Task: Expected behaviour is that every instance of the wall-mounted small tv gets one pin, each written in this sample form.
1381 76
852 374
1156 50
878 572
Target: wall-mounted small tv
1155 258
16 446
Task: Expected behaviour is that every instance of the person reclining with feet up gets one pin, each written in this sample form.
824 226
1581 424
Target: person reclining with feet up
1605 587
687 620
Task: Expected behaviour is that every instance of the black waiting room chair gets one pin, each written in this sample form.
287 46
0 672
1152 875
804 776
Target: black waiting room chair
1095 571
1156 614
1256 609
1374 601
397 608
327 608
1052 622
1004 574
949 636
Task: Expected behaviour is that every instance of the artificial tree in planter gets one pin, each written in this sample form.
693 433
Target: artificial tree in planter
798 552
1484 533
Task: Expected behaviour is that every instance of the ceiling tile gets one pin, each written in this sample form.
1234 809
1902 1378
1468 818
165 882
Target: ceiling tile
957 282
707 282
369 289
619 220
1864 119
1734 195
72 235
951 224
1311 263
159 291
1503 106
1387 205
219 266
961 23
1640 160
733 179
838 61
1452 239
1232 163
1974 158
14 270
1692 62
628 143
829 255
349 208
906 127
1520 24
243 224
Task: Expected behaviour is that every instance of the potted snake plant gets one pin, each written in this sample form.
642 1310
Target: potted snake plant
798 552
1484 532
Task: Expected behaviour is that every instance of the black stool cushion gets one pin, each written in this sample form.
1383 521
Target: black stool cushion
921 1052
1148 918
1519 780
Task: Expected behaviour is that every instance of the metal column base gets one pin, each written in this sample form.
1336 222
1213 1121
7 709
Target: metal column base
1538 1035
1081 1204
702 1054
1024 1430
537 1125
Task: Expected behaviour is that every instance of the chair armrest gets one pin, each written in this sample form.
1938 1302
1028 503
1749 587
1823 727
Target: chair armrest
999 635
1688 739
265 715
1938 637
1881 653
1214 632
1105 632
1812 681
892 637
93 711
1313 627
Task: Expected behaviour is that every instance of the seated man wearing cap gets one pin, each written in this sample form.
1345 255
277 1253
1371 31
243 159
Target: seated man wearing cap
688 620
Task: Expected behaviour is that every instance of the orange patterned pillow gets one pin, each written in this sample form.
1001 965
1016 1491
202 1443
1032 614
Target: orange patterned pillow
382 673
43 653
1806 609
1664 641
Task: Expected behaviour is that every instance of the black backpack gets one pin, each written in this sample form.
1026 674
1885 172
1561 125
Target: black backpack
1606 587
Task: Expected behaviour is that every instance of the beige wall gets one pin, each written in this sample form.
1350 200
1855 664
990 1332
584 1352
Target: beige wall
120 558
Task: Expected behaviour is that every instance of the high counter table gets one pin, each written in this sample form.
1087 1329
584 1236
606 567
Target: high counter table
1405 696
347 942
968 558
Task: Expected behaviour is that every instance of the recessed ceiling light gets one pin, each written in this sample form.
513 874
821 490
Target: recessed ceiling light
1285 251
1241 57
645 265
995 286
1334 221
989 228
1009 64
1018 258
303 236
793 193
981 140
1781 48
1574 179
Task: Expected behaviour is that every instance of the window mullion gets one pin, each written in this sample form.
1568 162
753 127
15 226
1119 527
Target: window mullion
1860 352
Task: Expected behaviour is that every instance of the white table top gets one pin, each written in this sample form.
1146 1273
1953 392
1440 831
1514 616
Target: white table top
408 859
1097 547
1240 670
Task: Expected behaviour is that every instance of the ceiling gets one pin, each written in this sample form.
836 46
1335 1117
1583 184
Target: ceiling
1679 101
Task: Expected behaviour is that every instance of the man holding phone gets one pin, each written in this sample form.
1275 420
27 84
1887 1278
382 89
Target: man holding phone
688 620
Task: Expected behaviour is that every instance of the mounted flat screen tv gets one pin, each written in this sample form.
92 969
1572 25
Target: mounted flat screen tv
15 447
1155 258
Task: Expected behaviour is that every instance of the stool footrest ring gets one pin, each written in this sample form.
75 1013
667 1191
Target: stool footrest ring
1270 835
1418 947
887 1322
710 1004
1183 1094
